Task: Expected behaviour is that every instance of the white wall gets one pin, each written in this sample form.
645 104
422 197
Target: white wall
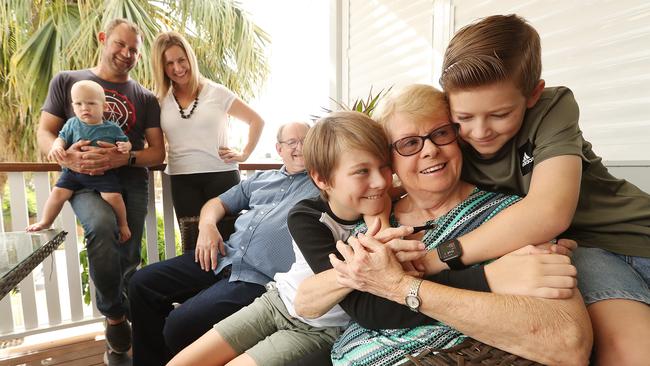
386 42
298 85
600 49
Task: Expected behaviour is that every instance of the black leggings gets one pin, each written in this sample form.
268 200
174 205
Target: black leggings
191 191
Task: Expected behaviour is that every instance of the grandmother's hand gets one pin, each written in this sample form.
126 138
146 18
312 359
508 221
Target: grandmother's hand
369 266
406 250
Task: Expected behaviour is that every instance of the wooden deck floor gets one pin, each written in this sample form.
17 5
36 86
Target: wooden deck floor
81 350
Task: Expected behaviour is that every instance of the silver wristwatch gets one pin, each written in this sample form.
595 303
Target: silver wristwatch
412 299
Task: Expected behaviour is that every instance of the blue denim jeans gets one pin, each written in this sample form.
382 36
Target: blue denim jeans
110 262
604 275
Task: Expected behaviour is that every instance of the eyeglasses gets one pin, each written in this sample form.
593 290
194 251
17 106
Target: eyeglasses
293 143
412 145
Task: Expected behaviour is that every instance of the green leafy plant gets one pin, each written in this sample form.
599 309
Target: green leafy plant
6 206
365 105
160 241
85 276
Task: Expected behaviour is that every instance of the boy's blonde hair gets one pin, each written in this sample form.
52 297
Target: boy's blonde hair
418 100
338 133
496 48
162 83
90 86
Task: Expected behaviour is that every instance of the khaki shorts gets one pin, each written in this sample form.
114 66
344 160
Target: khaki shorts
267 333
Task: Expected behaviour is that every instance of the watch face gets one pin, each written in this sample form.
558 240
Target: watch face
412 302
449 250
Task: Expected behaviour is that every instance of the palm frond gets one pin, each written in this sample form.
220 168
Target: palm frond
228 43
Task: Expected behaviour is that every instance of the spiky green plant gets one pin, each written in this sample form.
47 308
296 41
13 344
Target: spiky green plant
365 105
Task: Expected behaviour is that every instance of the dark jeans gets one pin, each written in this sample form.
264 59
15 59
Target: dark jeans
191 191
159 331
110 262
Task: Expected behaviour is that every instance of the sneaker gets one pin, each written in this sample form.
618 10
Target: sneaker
118 336
112 358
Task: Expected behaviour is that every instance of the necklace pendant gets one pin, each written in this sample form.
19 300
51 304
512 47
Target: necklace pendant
180 109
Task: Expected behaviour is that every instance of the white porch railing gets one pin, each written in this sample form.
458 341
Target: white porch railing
51 296
51 299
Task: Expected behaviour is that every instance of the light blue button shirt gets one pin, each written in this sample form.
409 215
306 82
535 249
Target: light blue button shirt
261 244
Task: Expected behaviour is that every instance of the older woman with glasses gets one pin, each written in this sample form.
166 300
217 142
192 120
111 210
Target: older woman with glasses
401 309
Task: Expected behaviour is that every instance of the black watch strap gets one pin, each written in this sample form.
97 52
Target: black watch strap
456 264
131 159
450 253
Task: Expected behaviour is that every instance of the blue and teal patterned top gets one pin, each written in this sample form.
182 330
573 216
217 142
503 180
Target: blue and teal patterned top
361 346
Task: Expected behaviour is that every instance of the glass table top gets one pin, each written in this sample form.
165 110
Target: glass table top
21 252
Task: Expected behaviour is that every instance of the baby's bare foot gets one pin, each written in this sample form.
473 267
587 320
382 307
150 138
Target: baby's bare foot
38 226
125 233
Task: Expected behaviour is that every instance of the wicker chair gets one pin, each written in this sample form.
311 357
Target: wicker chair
189 227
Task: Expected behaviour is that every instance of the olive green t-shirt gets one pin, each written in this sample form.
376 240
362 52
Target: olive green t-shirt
612 213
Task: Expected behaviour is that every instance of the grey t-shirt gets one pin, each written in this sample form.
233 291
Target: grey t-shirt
133 107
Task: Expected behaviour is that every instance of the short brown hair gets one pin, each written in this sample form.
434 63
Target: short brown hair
336 134
162 82
496 48
417 100
111 25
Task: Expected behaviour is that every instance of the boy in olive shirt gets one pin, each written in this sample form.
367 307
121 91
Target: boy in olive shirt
522 138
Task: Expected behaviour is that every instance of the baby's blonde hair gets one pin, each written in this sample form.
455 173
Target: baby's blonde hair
90 86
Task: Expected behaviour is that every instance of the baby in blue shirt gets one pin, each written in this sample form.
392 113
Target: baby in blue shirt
89 104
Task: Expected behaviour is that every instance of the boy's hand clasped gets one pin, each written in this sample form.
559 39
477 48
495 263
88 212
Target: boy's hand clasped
368 266
560 246
532 271
374 262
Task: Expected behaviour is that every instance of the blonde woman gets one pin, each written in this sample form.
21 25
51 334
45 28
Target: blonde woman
194 116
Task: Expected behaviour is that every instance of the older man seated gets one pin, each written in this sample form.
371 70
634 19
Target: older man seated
220 277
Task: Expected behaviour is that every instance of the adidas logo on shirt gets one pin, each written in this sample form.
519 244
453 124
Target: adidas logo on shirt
526 158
